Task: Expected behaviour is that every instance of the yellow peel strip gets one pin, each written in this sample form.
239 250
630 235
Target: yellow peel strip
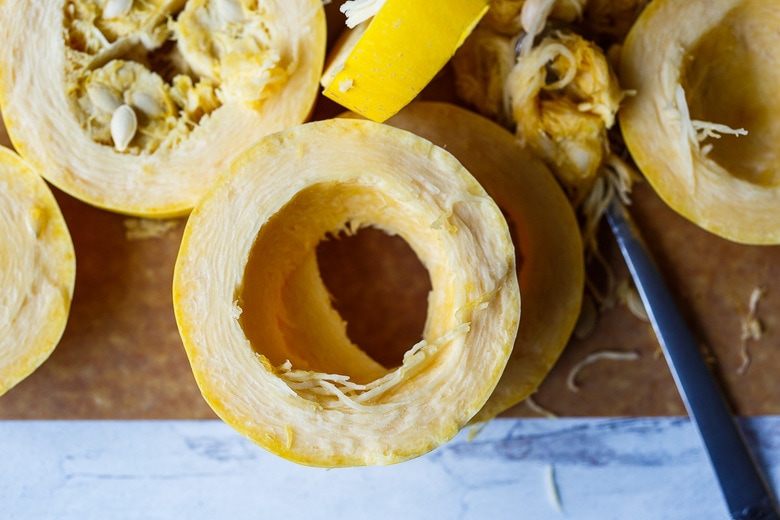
402 49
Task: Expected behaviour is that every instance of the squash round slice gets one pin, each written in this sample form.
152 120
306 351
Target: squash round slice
269 352
132 106
384 63
37 271
703 126
548 245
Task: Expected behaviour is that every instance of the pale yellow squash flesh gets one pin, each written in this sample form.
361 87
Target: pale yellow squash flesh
267 350
547 239
37 271
708 65
134 113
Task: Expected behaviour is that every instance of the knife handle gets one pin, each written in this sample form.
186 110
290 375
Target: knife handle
742 484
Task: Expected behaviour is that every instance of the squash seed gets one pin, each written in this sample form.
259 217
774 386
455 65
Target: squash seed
103 97
147 104
123 127
230 10
116 8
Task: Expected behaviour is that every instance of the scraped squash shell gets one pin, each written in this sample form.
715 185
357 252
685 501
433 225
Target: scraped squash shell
269 352
703 125
37 271
544 228
132 106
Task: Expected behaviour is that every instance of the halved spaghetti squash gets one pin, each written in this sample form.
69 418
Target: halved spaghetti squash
702 127
37 271
132 106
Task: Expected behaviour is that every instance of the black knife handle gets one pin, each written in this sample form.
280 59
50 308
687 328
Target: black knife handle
763 511
744 489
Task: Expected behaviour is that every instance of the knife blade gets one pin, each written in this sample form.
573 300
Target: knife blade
744 488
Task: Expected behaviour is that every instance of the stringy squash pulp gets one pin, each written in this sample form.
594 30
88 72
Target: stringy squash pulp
268 350
133 105
703 125
37 271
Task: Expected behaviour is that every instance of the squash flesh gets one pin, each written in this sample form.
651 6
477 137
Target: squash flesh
252 238
551 272
37 271
200 89
726 185
731 79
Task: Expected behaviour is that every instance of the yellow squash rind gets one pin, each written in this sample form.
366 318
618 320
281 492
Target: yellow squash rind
697 64
551 267
253 312
37 271
65 71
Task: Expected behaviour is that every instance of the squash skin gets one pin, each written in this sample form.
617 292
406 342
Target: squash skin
37 268
363 173
37 105
551 272
676 44
384 63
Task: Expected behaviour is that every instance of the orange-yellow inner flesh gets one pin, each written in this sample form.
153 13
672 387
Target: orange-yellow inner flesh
731 77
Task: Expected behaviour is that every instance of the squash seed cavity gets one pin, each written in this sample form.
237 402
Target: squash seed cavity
172 63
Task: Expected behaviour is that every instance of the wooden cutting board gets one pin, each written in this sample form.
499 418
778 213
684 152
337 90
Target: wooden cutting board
121 356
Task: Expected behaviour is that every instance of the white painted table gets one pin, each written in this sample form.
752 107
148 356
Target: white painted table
599 469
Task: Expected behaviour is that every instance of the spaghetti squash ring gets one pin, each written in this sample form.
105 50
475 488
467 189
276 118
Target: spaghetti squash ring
269 352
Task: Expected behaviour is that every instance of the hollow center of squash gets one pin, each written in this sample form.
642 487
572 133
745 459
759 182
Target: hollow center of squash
288 313
731 77
380 288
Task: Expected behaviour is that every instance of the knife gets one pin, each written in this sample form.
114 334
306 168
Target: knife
744 489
